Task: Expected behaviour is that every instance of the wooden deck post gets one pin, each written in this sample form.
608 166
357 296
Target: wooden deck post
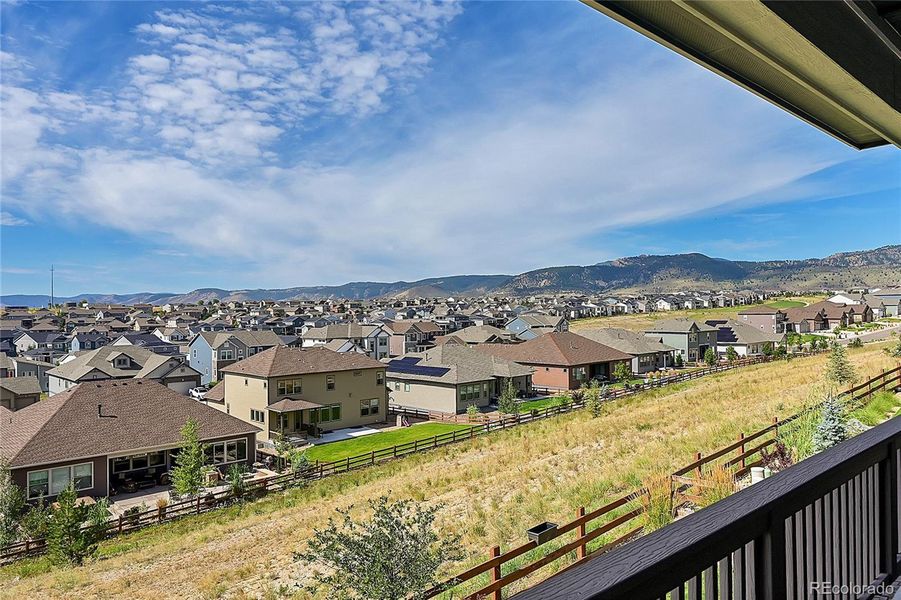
583 547
496 572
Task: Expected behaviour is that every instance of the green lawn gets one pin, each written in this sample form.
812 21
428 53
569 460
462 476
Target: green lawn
785 304
540 403
378 441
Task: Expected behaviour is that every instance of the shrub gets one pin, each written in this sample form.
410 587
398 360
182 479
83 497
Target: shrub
236 483
34 522
396 553
472 411
856 343
658 501
715 484
798 435
594 396
768 349
678 362
710 357
779 458
894 350
832 427
622 371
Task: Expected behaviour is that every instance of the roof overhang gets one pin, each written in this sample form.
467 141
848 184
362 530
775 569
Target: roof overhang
834 64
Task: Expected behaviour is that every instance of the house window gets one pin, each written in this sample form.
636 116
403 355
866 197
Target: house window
229 451
369 407
396 386
406 387
53 481
329 382
580 373
257 416
226 354
245 381
289 386
195 353
380 378
332 412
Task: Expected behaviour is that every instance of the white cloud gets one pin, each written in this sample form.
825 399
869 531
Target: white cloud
10 220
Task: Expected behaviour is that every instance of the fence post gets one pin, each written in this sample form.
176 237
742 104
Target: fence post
372 460
198 504
583 547
775 426
698 468
741 449
120 523
496 572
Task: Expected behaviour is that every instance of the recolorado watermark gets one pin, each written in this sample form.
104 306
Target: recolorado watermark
828 588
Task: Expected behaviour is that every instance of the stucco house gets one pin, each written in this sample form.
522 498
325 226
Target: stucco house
450 378
690 338
647 353
562 360
302 391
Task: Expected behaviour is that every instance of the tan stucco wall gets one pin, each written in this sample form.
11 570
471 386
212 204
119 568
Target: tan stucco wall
349 390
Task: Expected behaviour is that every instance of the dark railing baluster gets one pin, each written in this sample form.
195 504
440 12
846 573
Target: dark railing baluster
724 567
888 477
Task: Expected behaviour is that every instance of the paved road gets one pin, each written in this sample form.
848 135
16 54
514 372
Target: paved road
875 336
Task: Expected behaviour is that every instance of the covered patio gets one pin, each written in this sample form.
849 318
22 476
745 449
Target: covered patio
294 419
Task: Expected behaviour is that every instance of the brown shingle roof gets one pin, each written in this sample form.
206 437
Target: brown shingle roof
282 360
558 348
66 426
21 386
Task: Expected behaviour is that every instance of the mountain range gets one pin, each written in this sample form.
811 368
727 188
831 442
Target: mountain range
879 267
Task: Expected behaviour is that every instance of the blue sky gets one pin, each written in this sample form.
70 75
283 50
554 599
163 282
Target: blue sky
171 146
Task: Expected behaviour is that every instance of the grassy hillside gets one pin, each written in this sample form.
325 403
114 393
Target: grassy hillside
491 489
640 322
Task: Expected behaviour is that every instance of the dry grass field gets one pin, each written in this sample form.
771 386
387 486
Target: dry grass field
640 322
490 489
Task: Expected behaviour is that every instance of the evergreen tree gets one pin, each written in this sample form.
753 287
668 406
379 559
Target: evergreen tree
839 370
731 354
832 427
710 357
678 362
507 403
622 371
12 506
188 473
74 530
594 395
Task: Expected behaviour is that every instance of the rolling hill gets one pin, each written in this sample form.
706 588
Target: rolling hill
879 267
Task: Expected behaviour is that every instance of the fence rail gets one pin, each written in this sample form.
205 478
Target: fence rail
320 470
744 454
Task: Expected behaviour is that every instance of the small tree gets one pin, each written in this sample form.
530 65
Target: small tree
472 411
190 463
297 460
768 349
12 505
507 404
895 349
710 357
780 352
731 354
823 343
839 370
396 553
592 395
832 427
74 530
678 362
622 371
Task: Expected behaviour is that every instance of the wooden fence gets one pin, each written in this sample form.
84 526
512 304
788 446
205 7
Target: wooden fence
320 470
739 457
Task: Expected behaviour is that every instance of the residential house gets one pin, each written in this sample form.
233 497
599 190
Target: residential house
18 392
690 338
51 341
79 342
23 367
411 336
372 338
110 436
745 339
210 351
450 378
647 353
123 362
889 298
301 391
764 318
148 341
477 334
530 326
562 360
